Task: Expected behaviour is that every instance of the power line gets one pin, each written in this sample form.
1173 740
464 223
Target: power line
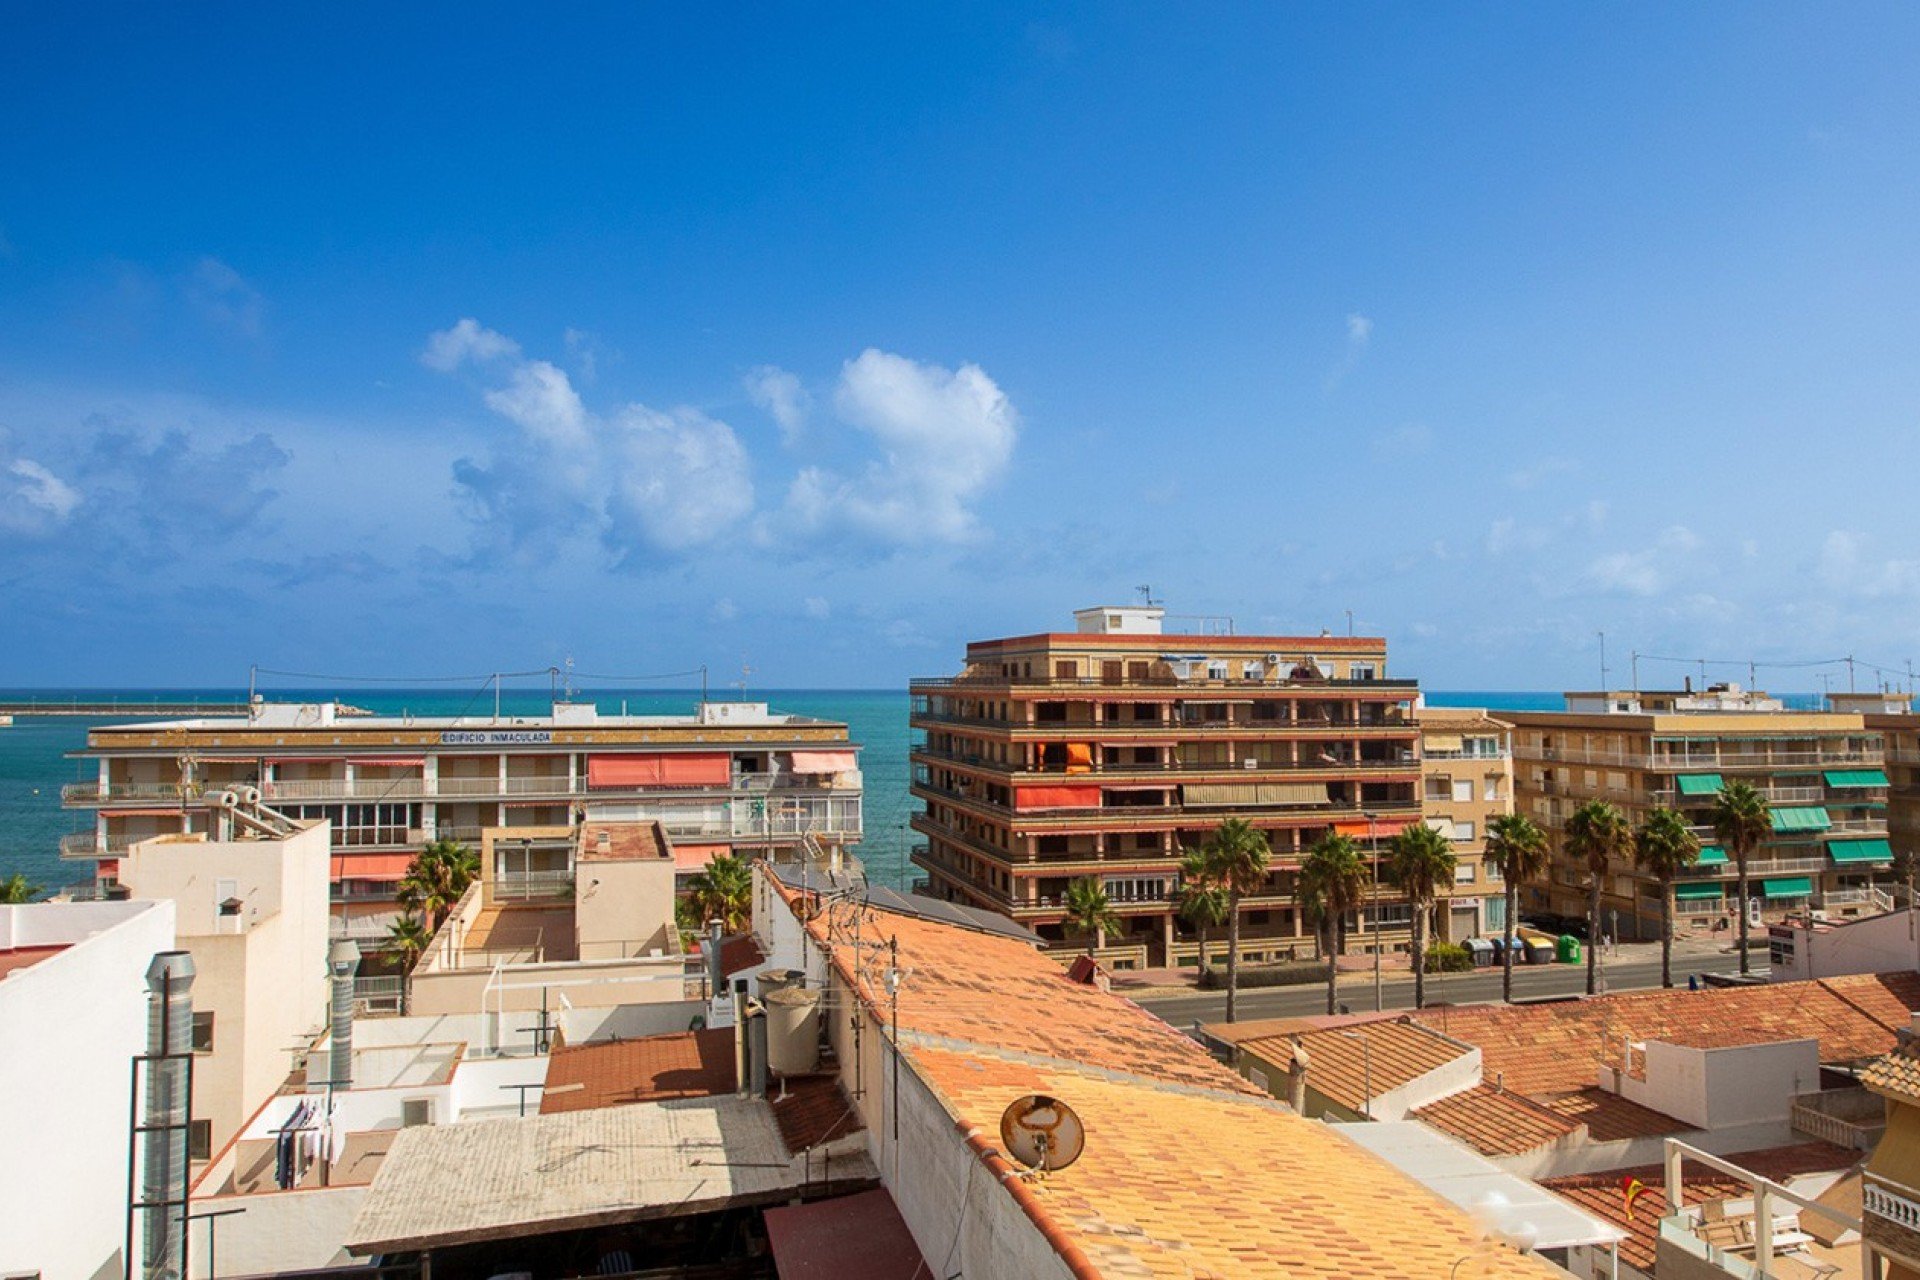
407 680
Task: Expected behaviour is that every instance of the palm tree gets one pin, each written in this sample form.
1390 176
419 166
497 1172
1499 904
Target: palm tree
1236 859
1090 911
409 937
1742 820
1518 849
437 878
723 891
1329 888
1597 834
1420 860
1665 846
1203 904
17 889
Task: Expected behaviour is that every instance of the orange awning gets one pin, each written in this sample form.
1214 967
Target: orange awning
1056 798
695 857
824 761
371 866
388 762
109 868
661 769
1362 829
1079 757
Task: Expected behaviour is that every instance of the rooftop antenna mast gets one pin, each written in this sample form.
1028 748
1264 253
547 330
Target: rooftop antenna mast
741 683
1146 596
1603 659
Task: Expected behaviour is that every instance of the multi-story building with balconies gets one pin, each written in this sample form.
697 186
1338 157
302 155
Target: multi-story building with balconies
1822 772
1891 715
1105 751
732 776
1466 765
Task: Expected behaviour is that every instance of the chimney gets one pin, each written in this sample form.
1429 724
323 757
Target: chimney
343 959
168 1116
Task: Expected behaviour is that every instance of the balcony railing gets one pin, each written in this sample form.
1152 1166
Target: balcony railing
1700 762
994 681
1851 1118
1882 1200
1404 763
297 790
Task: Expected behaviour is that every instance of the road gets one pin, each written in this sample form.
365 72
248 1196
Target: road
1627 973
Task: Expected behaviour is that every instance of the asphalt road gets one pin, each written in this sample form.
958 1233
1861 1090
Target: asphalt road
1626 973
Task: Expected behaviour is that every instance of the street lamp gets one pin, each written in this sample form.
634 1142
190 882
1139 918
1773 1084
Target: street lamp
1373 839
1366 1069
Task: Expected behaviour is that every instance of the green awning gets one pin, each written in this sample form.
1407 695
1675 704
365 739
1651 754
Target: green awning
1844 851
1711 855
1788 887
1857 778
1700 784
1696 892
1810 819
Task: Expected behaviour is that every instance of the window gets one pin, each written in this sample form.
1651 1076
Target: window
1252 671
202 1032
1462 832
1360 671
200 1140
1066 670
1216 671
1463 873
1492 789
415 1112
1463 790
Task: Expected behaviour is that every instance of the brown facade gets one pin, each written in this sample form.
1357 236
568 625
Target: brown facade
1057 757
1466 773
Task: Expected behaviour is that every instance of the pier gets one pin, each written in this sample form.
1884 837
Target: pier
137 708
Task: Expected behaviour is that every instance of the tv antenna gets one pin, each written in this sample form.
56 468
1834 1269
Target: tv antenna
741 683
1042 1133
1146 596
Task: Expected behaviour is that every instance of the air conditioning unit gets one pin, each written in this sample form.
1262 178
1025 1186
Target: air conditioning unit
1273 659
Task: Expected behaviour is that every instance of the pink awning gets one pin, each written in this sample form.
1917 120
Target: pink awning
695 857
661 769
824 761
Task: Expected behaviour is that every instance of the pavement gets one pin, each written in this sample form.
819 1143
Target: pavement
1630 967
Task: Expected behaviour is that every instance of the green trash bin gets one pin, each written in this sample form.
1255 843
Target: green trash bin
1569 949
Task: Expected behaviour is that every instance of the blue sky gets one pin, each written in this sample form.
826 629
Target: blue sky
444 339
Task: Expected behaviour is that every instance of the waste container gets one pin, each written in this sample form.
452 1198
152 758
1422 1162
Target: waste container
1540 951
1568 951
1481 952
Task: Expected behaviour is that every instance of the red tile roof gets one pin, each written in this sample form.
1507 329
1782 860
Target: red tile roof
1600 1193
1896 1075
1497 1122
690 1064
812 1110
1612 1118
1555 1048
1340 1061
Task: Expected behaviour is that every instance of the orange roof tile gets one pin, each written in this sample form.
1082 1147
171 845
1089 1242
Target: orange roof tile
1600 1193
1339 1061
1612 1118
690 1064
1555 1048
1898 1073
985 1020
1497 1122
811 1110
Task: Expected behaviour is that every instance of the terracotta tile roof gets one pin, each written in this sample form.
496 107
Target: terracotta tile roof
1497 1122
1600 1193
986 1020
811 1110
1554 1048
690 1064
1612 1118
1145 1199
1897 1073
1395 1053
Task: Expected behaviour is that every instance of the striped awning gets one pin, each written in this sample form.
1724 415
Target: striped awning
1699 784
1697 892
1852 851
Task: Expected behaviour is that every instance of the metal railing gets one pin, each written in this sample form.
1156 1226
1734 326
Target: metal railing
530 886
995 681
380 995
1403 762
1699 762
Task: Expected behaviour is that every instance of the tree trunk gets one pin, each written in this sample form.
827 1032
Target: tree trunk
1740 856
1329 947
1593 932
1419 957
1203 949
1233 952
1666 934
1506 943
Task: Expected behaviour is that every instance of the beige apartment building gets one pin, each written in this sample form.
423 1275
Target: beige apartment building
1823 773
1891 715
1466 775
1106 750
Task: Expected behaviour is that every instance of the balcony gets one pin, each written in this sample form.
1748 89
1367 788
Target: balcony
1405 763
1851 1118
989 682
1890 1202
88 844
93 795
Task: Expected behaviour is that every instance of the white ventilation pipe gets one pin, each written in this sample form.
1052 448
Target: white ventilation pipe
167 1117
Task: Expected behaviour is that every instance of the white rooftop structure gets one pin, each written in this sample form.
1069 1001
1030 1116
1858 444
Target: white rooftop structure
1513 1209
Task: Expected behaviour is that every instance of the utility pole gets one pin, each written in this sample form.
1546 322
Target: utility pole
1603 660
1373 839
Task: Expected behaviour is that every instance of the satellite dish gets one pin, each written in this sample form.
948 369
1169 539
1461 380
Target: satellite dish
1042 1133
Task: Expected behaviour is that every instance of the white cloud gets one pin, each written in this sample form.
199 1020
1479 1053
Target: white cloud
724 610
945 436
816 607
1359 334
586 352
448 349
644 480
1632 572
1849 566
783 397
1359 330
225 298
33 500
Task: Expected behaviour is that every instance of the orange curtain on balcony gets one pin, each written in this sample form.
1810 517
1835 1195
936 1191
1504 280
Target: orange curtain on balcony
1056 798
663 769
1079 757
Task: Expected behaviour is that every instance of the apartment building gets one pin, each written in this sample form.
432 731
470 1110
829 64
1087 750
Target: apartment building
730 777
1106 750
1466 775
1891 715
1822 772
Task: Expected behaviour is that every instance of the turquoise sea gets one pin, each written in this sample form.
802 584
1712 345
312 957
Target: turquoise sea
34 751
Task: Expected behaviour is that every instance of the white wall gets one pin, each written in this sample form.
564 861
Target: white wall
1723 1088
69 1027
1877 944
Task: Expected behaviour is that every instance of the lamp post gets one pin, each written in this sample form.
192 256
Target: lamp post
1373 839
1366 1069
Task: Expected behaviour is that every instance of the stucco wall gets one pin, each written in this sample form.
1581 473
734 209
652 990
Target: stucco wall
613 982
1878 944
69 1027
286 1231
622 906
